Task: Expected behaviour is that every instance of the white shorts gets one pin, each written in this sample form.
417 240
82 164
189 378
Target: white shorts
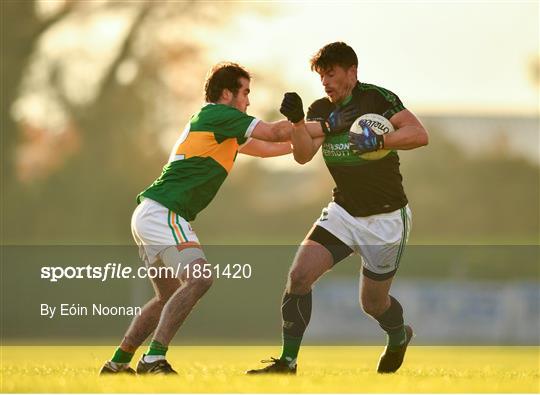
155 228
379 239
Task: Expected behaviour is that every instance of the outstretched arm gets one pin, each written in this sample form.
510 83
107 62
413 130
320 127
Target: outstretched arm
265 149
278 131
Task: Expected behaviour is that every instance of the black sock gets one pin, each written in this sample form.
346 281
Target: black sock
296 313
391 321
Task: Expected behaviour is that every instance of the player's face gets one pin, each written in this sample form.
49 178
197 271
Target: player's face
338 82
240 101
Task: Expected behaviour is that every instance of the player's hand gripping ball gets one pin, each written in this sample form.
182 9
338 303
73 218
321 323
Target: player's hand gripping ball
366 136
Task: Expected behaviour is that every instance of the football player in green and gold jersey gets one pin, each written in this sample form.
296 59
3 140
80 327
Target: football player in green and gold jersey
198 164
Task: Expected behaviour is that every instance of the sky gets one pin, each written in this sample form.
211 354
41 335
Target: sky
439 57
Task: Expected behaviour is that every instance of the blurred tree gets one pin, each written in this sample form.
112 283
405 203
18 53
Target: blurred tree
460 198
92 93
92 86
20 29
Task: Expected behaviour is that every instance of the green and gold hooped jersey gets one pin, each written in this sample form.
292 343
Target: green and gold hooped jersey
201 159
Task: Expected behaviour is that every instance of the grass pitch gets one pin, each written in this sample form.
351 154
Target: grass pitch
321 370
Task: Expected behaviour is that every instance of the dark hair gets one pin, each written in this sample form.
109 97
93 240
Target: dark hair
224 75
334 54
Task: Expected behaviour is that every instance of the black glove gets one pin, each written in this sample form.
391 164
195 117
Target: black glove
341 120
291 107
367 141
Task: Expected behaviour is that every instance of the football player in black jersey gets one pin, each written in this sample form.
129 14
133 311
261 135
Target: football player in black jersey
369 214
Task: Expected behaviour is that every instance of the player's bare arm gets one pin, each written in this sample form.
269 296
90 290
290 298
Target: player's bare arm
409 134
279 131
265 149
306 139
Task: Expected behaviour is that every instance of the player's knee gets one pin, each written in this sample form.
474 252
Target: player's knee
206 283
201 283
299 280
373 306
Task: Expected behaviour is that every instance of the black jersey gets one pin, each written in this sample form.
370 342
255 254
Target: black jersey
363 187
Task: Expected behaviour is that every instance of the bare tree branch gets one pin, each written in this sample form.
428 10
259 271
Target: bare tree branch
51 21
124 51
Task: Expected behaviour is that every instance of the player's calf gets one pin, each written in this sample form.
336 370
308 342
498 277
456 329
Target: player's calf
390 319
388 312
374 307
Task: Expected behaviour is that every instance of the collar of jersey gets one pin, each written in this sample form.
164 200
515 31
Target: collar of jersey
345 101
348 99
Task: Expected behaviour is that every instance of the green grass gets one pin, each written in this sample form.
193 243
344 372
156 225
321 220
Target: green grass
321 370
